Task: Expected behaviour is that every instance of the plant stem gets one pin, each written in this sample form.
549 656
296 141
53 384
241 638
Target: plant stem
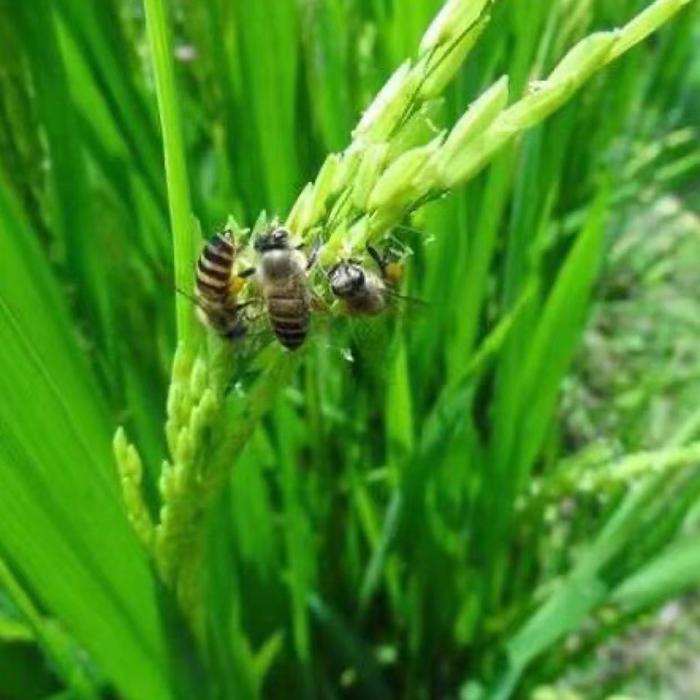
181 219
49 640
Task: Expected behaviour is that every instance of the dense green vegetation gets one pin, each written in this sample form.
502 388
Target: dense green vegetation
465 500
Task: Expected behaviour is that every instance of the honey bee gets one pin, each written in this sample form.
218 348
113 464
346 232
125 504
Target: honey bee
217 290
282 276
363 291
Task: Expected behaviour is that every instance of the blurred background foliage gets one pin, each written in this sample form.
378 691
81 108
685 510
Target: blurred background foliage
477 504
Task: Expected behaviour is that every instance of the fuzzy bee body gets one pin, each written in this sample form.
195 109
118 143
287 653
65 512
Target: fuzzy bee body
218 307
362 291
282 278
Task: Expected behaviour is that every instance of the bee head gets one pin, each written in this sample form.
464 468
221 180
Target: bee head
346 278
274 239
222 239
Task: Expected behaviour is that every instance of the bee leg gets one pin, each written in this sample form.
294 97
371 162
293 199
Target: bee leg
377 257
187 296
238 332
313 256
191 298
242 306
318 303
253 319
248 272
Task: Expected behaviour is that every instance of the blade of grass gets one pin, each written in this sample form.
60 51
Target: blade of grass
269 88
300 557
61 526
578 595
181 220
55 648
69 207
674 571
100 38
584 588
447 414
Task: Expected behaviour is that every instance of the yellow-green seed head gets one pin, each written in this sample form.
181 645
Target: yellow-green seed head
644 24
299 216
184 450
419 129
388 106
548 95
475 120
357 235
472 158
130 469
198 377
331 251
324 187
453 20
349 163
395 187
446 59
368 173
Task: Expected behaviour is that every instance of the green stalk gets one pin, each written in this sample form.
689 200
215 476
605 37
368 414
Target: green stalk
49 638
181 218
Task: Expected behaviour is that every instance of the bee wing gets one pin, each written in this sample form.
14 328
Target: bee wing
368 337
191 298
404 299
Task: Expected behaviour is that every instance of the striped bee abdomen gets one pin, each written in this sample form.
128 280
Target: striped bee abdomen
289 318
223 318
218 306
214 269
283 278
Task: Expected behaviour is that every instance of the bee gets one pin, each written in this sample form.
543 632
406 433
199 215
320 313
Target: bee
217 290
282 277
391 267
363 291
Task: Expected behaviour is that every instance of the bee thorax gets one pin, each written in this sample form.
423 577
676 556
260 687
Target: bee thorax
362 291
278 264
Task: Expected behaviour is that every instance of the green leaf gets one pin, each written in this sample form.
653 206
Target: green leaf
160 42
671 573
61 524
558 330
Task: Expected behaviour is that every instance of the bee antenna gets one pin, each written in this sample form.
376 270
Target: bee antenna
410 229
191 298
376 256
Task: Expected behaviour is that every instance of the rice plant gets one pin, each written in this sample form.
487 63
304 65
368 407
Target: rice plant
468 495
